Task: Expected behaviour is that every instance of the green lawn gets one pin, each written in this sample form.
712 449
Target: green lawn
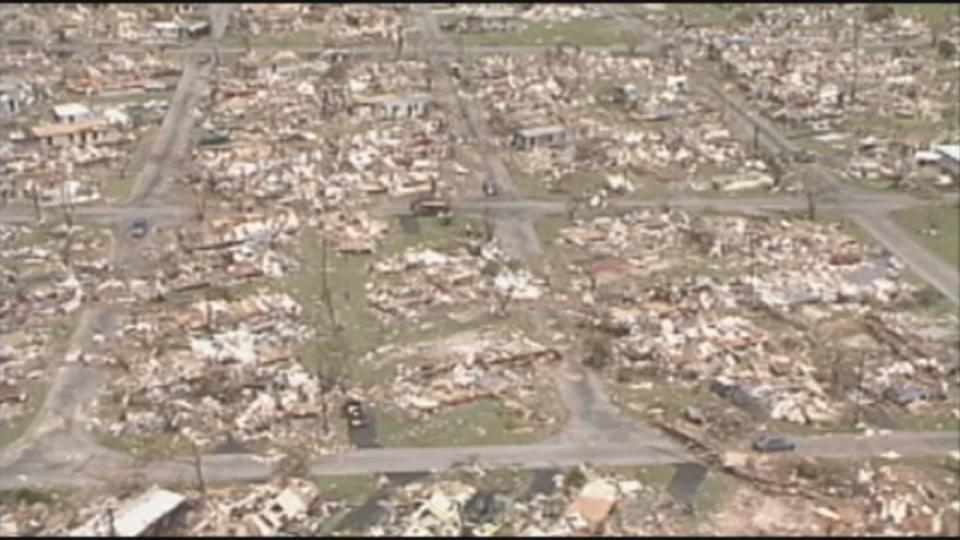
347 279
586 32
936 14
481 422
299 38
946 218
350 488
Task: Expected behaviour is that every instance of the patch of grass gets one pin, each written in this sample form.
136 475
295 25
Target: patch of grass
715 489
656 477
351 488
307 37
147 447
935 14
946 220
939 421
14 428
347 279
481 422
12 497
584 32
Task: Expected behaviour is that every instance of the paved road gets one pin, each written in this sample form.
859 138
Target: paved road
567 455
540 207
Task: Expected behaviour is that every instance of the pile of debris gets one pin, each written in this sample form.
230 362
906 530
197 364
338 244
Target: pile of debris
52 276
467 367
740 333
218 369
420 280
583 503
295 505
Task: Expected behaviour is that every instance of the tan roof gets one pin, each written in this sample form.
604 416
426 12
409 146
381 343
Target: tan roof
53 130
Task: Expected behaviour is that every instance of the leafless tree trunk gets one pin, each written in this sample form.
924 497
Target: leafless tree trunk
811 205
503 300
208 312
324 283
572 206
68 209
111 524
856 56
35 195
399 31
198 468
67 245
488 227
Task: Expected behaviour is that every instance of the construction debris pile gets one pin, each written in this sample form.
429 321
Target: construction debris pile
464 368
580 502
322 169
421 280
798 65
294 505
218 368
50 276
673 136
741 333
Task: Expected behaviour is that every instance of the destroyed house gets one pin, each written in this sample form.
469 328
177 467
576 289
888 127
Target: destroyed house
626 94
393 107
195 29
82 133
71 112
551 136
167 30
15 94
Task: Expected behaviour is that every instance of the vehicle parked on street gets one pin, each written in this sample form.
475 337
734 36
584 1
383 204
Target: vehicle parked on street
773 443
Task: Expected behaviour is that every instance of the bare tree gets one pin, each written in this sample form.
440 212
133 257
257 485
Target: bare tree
324 282
811 204
198 468
111 523
503 300
67 205
572 205
399 39
67 247
35 195
856 55
488 227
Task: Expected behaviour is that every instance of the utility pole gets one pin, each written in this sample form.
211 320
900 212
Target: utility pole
856 55
198 468
110 522
859 412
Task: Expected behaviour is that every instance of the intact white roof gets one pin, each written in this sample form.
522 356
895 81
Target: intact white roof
142 512
952 151
71 109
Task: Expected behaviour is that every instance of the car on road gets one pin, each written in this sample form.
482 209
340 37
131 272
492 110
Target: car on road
354 413
805 156
139 228
429 206
773 443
